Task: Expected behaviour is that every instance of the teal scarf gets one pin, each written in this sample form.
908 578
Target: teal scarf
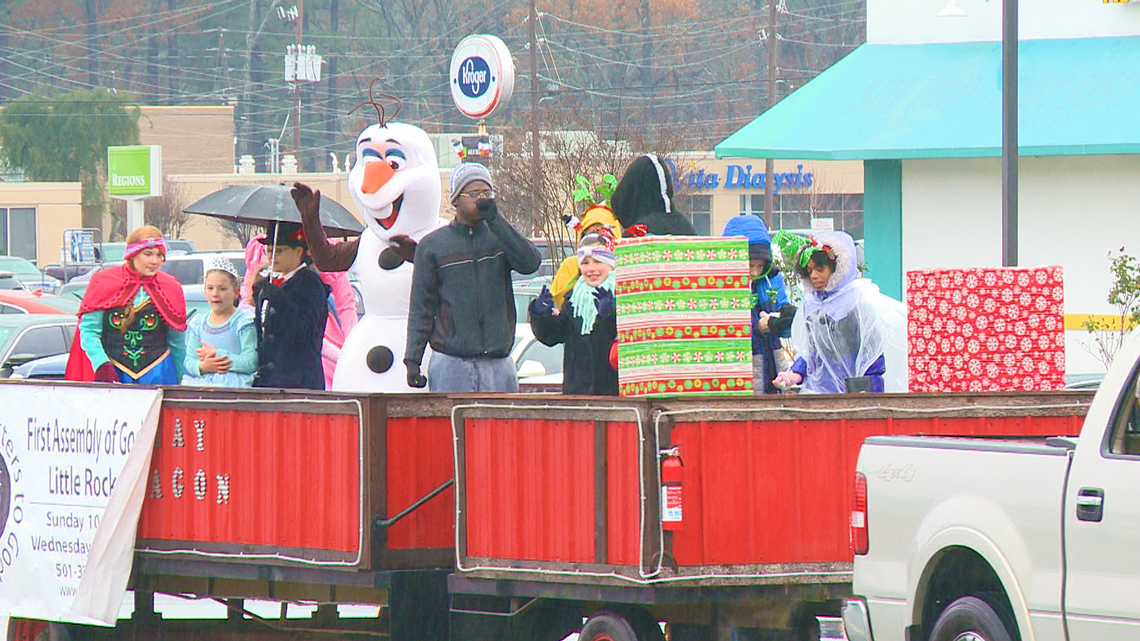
585 305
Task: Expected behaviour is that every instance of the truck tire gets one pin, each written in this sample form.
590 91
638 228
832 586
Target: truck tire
607 626
970 619
645 625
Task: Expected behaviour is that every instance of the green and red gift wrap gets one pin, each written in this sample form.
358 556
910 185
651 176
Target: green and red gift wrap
683 316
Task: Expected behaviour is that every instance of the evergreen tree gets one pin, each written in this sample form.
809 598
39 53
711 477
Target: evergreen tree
65 139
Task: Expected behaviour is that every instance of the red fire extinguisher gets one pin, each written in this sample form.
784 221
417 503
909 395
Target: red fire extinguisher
672 474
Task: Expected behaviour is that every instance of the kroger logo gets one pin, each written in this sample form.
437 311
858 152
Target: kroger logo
474 76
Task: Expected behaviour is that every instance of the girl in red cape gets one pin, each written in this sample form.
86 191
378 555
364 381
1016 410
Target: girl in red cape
131 320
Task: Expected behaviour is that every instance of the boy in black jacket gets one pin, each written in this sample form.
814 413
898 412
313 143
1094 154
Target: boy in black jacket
291 306
586 322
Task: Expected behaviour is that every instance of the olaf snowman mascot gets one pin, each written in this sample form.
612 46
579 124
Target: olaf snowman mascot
395 183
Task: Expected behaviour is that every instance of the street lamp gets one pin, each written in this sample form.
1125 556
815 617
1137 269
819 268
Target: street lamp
1009 150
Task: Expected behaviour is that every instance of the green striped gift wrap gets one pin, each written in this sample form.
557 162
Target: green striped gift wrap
683 316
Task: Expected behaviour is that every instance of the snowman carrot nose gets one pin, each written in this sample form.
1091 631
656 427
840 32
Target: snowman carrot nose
376 175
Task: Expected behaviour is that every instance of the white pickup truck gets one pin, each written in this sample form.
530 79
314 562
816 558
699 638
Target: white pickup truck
960 539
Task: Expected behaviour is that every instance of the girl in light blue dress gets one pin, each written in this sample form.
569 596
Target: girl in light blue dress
221 346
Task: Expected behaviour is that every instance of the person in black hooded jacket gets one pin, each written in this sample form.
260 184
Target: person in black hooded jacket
644 196
586 323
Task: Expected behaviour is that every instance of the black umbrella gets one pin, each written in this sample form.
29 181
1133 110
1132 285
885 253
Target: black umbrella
265 204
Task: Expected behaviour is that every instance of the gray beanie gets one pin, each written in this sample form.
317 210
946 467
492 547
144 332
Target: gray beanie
466 173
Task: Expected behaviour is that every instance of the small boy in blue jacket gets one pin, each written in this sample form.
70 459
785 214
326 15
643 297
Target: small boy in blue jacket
772 312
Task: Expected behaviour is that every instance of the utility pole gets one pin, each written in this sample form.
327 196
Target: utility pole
297 90
535 148
223 62
769 164
332 110
1009 150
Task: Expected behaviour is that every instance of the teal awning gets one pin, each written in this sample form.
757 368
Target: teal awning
1076 97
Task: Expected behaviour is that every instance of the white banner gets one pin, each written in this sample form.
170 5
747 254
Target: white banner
73 466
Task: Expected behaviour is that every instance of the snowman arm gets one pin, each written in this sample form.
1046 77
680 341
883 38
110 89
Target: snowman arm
326 257
336 257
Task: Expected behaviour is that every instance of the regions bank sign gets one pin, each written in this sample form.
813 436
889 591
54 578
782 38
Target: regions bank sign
135 171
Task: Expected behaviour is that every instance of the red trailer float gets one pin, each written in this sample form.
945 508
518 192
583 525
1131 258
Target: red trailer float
521 516
559 507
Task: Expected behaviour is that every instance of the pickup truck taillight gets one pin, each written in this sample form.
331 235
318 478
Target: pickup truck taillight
859 541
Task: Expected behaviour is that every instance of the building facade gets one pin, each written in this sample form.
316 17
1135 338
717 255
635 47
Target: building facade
920 106
711 190
33 217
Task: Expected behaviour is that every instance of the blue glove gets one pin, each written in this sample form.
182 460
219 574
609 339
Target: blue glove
605 302
544 304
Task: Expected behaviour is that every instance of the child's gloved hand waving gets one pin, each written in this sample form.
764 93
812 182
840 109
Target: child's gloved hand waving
544 304
605 302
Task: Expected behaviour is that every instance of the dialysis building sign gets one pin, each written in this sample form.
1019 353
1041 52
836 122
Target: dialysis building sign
135 171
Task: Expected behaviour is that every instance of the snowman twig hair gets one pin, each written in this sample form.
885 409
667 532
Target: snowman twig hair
380 113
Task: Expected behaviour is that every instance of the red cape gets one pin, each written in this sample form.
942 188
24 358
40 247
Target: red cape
113 289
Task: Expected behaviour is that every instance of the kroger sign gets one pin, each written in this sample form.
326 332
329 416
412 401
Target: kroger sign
482 75
474 76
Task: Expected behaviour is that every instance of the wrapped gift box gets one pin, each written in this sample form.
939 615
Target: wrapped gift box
986 328
683 316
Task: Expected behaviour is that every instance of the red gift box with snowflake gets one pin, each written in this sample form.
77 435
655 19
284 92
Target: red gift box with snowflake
986 329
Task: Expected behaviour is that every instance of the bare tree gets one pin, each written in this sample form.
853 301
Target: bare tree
119 229
571 148
165 212
241 232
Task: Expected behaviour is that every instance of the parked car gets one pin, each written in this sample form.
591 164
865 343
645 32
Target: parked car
196 302
65 273
190 269
28 274
562 248
357 296
978 538
545 271
17 301
52 368
8 280
77 286
525 292
1087 381
531 357
109 252
24 337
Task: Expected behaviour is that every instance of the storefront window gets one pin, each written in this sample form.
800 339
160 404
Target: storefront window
699 211
18 232
794 212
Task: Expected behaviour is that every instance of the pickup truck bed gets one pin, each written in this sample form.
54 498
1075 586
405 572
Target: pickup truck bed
996 540
1014 488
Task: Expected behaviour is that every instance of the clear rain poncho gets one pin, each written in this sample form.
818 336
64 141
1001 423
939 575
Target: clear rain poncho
841 331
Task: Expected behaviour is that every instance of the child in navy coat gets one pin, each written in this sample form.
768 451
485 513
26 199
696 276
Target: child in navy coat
772 312
290 307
